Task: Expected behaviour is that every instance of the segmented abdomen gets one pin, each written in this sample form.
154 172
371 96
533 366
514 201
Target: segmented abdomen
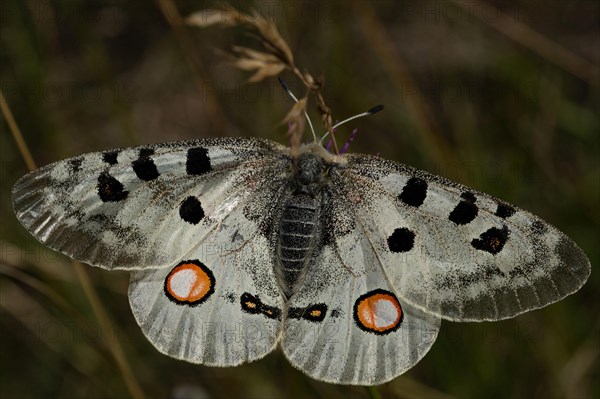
297 233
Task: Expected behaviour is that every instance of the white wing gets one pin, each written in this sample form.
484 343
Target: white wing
143 207
219 306
347 324
456 252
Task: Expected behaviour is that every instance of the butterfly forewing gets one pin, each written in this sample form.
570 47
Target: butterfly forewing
142 207
456 252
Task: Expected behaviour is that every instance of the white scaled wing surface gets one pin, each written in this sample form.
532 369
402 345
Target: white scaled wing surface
455 252
141 207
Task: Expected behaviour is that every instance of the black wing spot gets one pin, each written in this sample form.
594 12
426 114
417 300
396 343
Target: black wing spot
110 157
468 196
414 192
198 161
75 164
144 166
252 304
146 152
110 189
491 240
401 240
315 313
191 210
505 211
463 213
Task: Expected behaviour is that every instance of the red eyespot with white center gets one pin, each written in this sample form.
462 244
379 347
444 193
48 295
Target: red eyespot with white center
190 283
378 312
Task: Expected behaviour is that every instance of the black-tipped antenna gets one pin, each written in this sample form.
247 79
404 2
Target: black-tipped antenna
371 111
375 109
289 92
285 86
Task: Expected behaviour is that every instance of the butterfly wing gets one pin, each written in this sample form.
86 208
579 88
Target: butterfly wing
347 324
456 252
221 305
192 220
143 207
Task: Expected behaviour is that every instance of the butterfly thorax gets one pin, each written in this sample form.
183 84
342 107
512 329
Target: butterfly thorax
299 228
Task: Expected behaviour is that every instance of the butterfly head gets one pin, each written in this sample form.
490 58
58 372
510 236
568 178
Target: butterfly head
309 168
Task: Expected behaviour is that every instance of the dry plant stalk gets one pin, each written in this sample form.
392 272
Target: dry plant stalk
296 123
274 57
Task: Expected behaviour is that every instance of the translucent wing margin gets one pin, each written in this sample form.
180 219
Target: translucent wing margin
455 252
142 207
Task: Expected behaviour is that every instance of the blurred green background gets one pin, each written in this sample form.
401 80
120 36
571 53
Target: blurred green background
501 96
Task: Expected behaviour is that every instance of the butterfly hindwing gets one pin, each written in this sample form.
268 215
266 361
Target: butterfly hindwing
346 324
142 207
221 305
456 252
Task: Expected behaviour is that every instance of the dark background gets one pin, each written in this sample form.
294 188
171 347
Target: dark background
501 96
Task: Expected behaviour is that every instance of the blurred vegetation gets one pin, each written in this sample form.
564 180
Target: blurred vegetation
502 96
